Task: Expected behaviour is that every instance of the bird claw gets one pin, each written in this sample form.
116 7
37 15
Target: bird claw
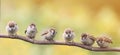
70 42
12 35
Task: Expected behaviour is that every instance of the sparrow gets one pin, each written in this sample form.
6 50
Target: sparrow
49 34
31 31
87 39
103 41
68 35
12 28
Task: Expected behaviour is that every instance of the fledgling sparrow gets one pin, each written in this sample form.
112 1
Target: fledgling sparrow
12 28
104 41
87 39
49 34
68 35
31 31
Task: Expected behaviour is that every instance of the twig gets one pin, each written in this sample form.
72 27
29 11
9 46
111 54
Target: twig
60 43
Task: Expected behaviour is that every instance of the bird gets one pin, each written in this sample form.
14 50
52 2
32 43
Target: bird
87 39
12 28
49 34
31 31
68 35
104 41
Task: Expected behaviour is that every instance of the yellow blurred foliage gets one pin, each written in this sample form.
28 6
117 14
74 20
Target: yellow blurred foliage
93 16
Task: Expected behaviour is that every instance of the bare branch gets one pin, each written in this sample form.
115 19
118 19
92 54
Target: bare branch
60 43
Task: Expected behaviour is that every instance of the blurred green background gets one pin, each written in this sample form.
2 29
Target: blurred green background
92 16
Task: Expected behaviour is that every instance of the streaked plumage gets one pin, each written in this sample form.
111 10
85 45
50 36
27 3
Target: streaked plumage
31 31
68 35
104 41
87 39
49 34
11 28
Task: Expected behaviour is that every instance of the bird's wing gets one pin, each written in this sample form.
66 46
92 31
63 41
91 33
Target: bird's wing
44 33
93 38
36 30
108 40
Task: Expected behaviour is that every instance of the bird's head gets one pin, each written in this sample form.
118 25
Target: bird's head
11 24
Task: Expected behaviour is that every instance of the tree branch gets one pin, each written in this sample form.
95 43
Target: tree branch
60 43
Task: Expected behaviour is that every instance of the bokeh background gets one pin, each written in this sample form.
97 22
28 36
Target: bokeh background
92 16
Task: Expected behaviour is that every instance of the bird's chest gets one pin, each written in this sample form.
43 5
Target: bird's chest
69 37
87 40
12 30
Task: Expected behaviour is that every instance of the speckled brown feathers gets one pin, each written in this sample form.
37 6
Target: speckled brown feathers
68 35
87 39
103 41
11 28
49 34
